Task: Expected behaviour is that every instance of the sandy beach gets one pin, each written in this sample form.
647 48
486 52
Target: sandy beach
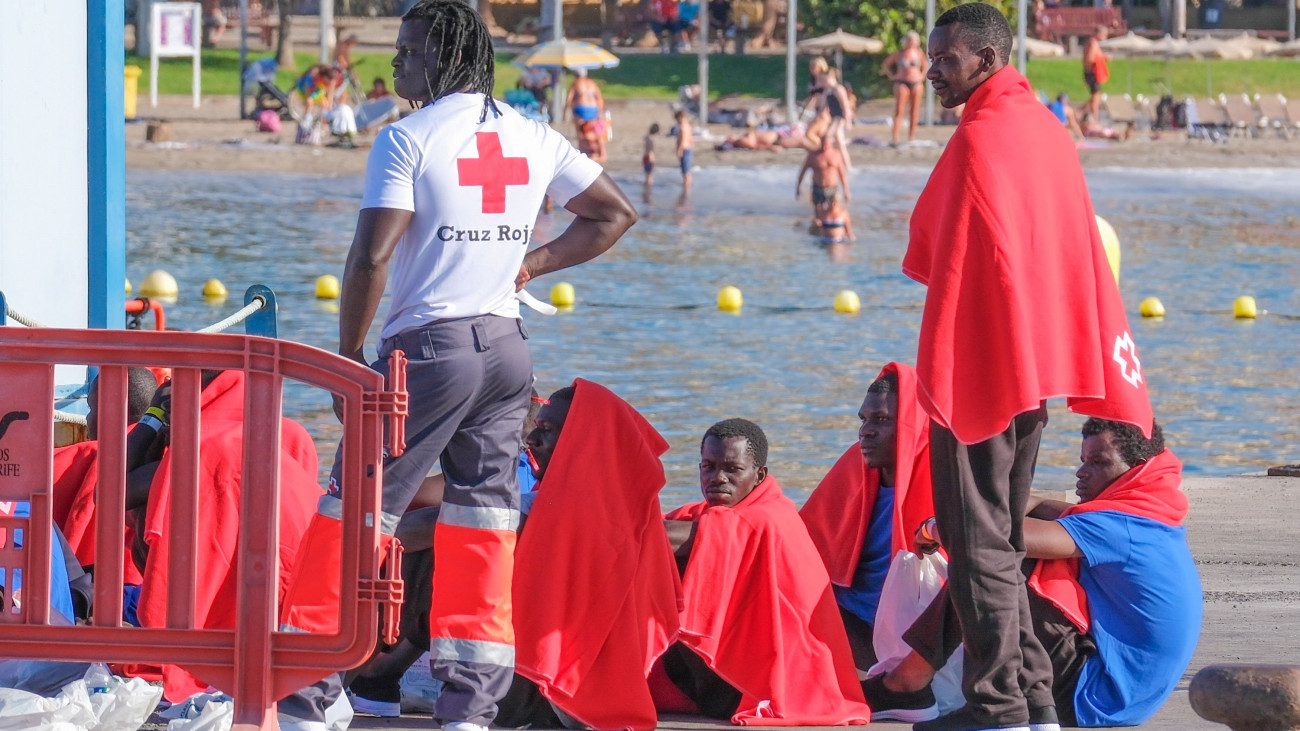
213 138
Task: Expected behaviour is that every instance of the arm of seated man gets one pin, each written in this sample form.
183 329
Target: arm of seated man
1048 539
1044 508
681 536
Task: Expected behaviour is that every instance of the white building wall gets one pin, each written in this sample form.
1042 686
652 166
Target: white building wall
43 165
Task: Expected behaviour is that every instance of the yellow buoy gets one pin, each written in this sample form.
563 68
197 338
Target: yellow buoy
846 300
1110 242
1244 308
159 284
562 295
214 289
730 299
128 286
327 287
1152 307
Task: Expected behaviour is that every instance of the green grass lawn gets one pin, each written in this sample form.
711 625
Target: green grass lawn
657 76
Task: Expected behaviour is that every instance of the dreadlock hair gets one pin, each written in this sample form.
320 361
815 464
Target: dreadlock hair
982 26
886 384
466 60
756 440
1133 448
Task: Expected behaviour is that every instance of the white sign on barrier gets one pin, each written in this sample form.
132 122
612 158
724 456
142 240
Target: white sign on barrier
175 29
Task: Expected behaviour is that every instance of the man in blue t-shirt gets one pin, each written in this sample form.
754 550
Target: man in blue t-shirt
1118 655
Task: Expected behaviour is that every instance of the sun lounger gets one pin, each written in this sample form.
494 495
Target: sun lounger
1293 111
1272 113
1120 109
1205 120
1241 117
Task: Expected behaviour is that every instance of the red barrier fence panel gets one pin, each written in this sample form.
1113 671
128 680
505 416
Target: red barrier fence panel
253 662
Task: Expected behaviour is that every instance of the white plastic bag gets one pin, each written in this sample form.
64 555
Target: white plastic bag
912 583
116 705
419 688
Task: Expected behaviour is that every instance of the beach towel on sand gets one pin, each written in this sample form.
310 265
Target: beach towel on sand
839 510
596 591
1022 304
1150 490
221 426
760 612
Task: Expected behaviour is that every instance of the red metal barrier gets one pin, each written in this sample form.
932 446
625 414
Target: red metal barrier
254 663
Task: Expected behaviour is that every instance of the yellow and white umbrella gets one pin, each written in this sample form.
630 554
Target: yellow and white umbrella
564 53
841 43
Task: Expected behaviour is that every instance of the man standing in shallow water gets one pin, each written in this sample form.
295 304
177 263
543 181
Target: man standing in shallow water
1021 306
450 198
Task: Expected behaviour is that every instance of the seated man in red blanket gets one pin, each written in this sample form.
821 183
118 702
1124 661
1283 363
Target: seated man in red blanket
870 504
221 432
1114 592
762 642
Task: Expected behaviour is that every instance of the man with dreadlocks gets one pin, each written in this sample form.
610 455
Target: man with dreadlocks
1004 218
450 200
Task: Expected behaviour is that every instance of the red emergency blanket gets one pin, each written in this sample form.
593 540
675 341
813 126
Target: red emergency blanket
1022 305
761 613
839 510
76 472
1150 490
221 429
596 592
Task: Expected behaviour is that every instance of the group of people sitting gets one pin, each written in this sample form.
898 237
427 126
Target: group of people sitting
739 606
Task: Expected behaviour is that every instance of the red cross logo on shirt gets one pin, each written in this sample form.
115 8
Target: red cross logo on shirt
1126 351
492 171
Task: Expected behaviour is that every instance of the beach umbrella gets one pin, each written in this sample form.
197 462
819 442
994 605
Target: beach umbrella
1167 46
1035 48
1130 44
841 43
1213 48
567 54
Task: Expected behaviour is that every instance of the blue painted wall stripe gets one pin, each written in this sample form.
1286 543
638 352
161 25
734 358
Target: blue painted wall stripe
106 163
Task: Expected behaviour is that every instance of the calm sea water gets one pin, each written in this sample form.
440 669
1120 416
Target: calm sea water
646 326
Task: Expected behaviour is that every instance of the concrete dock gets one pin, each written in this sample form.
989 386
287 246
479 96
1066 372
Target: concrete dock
1243 533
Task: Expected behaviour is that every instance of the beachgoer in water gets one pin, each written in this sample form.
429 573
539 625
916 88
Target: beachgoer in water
1115 593
907 67
1008 179
835 226
648 153
591 140
828 178
869 506
585 101
1095 71
685 147
760 628
442 185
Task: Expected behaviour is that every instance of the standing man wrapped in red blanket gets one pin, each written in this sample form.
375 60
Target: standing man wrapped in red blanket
1021 307
869 506
762 642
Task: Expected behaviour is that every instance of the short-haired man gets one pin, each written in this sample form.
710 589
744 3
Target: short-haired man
1116 596
451 197
1095 71
869 506
1020 307
759 608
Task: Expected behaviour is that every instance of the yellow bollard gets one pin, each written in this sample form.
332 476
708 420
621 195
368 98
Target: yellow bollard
562 295
159 283
131 87
214 289
1109 242
846 300
1243 308
730 299
327 287
1152 307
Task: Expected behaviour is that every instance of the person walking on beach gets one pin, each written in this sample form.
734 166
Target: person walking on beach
685 147
1095 71
648 154
1005 217
451 195
586 103
907 67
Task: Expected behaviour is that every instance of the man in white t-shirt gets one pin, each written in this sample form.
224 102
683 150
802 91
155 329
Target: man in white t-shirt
451 196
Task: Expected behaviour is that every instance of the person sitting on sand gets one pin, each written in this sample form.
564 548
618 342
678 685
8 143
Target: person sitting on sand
1065 112
379 90
828 175
1115 596
759 610
871 503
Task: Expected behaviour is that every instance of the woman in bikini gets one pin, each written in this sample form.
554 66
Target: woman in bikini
907 67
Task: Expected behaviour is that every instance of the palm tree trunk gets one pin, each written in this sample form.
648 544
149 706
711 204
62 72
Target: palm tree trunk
283 43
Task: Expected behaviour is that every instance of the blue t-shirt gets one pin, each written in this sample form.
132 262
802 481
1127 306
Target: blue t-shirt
527 484
1058 108
862 597
1144 595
